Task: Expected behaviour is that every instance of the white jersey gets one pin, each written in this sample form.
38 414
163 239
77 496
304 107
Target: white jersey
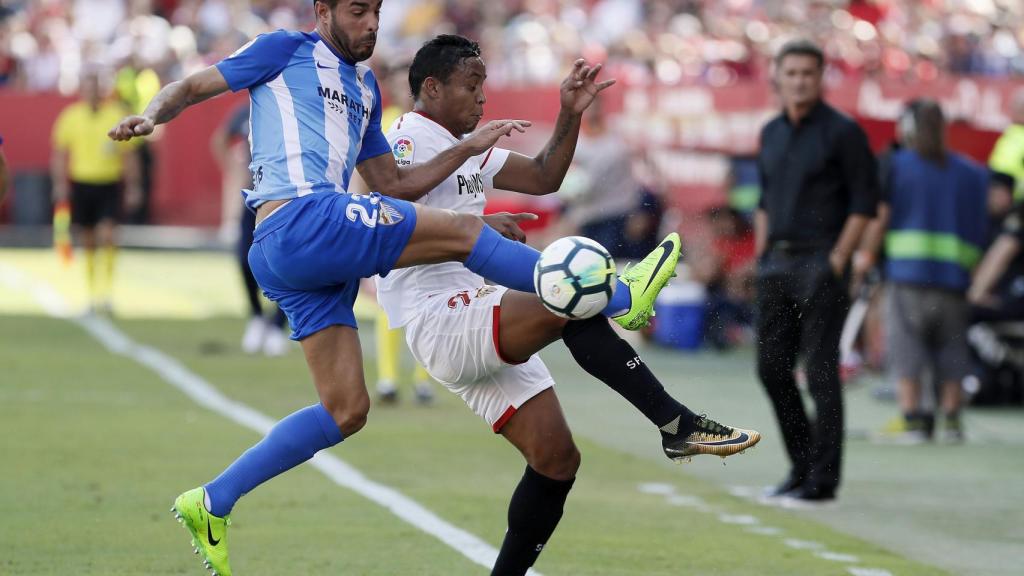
414 138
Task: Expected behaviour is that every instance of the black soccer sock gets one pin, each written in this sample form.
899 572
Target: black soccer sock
533 514
599 350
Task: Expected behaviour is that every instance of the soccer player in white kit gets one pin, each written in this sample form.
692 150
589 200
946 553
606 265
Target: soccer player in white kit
480 340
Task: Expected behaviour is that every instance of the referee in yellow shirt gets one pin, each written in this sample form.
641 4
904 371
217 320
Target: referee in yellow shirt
90 168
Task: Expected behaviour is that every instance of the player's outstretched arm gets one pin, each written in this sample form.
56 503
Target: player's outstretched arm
170 102
543 173
413 182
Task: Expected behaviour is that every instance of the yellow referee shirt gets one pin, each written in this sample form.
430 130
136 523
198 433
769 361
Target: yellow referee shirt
93 158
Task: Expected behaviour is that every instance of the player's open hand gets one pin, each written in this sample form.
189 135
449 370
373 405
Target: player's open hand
130 127
580 87
507 224
487 135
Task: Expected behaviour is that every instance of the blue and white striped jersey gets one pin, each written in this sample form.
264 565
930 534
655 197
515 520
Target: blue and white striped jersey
314 115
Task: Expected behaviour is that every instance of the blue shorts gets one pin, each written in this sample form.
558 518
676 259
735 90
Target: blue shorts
310 254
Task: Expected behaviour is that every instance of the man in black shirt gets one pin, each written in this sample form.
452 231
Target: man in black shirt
819 189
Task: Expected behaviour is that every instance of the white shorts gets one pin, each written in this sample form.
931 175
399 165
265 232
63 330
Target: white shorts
455 337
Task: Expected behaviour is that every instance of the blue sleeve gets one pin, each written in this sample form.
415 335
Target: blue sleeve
260 60
374 142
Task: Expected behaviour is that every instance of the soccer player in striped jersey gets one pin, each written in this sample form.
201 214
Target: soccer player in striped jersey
315 114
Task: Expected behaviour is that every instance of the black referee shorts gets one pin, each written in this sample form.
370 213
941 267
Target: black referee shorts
93 203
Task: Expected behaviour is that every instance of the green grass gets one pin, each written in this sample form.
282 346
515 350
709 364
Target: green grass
96 447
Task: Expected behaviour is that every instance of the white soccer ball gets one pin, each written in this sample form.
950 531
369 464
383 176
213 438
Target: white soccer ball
575 277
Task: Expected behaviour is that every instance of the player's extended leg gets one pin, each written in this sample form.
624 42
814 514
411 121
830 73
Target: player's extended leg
526 328
539 430
335 362
445 235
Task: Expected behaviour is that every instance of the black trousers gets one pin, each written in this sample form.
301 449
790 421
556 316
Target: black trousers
801 305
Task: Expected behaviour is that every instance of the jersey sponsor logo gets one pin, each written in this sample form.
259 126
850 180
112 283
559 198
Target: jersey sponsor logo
403 150
339 101
471 185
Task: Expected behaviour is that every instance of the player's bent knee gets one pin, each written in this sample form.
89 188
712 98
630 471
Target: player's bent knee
558 461
351 415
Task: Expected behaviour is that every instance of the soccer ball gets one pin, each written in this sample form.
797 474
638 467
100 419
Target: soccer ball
575 277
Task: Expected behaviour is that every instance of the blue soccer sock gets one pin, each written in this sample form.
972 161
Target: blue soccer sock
291 442
620 302
511 264
504 261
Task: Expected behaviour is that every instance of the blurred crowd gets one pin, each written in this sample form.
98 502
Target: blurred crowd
44 44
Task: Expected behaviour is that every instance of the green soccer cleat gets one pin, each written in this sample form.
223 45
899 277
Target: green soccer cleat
209 533
709 437
645 281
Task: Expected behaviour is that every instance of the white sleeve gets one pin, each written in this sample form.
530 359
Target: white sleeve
491 162
411 145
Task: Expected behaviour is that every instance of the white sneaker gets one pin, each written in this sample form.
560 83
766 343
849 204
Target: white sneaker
424 393
387 392
255 330
275 343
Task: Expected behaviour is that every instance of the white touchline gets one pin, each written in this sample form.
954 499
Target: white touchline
803 544
837 557
753 525
868 572
742 519
206 395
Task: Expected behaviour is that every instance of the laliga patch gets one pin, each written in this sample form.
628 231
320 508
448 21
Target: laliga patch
389 215
403 149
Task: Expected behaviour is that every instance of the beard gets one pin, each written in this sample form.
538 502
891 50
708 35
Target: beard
359 50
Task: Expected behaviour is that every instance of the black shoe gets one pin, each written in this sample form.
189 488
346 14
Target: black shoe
809 496
792 482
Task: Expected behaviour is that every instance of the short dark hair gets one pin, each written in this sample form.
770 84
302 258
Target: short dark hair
800 47
929 130
439 58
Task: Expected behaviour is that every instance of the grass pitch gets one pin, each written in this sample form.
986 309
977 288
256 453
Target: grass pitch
96 447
